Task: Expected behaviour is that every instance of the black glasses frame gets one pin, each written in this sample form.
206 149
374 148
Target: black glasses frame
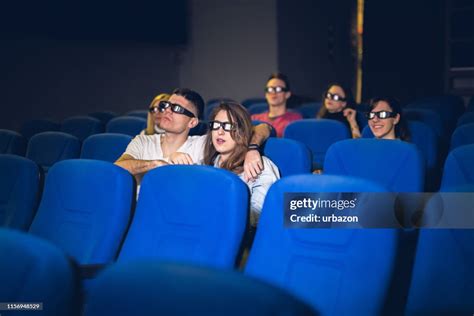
334 97
276 89
215 125
380 114
175 108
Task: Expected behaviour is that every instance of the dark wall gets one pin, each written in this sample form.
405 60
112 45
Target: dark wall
314 43
403 48
57 79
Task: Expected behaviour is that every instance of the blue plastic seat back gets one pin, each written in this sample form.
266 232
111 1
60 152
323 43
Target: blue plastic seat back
198 130
463 135
423 136
85 209
250 101
50 147
107 147
290 156
103 116
427 116
82 126
158 288
194 214
397 165
12 142
318 135
458 168
337 271
19 191
34 271
33 127
258 108
138 113
466 118
128 125
309 110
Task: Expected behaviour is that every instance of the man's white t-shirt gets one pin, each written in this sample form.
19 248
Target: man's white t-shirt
148 147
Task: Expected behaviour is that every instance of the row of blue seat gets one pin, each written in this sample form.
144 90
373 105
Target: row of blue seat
87 207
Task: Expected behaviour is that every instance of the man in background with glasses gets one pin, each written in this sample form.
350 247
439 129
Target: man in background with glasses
277 93
179 114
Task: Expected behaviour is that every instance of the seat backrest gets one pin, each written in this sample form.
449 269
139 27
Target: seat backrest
249 101
423 136
19 191
427 116
198 130
272 129
32 270
85 209
258 108
308 110
138 113
107 146
128 125
466 118
12 142
395 164
297 162
458 168
161 288
50 147
82 126
337 271
318 135
462 135
103 116
200 221
33 127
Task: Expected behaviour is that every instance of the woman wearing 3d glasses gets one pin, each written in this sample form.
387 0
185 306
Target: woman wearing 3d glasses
227 143
154 116
338 104
385 119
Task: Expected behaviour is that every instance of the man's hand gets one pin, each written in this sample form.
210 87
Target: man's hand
253 165
178 158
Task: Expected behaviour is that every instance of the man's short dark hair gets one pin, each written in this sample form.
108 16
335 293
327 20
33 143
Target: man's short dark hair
193 97
282 77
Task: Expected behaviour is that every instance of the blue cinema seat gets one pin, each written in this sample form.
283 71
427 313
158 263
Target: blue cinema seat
194 214
199 129
443 274
397 165
318 135
19 191
463 135
258 108
338 271
309 110
106 146
33 127
82 126
138 113
103 116
154 288
12 142
34 271
250 101
466 118
272 129
85 209
458 168
128 125
427 116
50 147
290 156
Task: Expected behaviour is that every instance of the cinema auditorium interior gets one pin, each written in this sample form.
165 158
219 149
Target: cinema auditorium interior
237 157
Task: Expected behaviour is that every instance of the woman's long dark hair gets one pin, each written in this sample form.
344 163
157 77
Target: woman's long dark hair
241 134
350 103
401 128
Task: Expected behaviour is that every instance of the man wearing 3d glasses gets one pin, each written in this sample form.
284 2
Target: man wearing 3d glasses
179 114
277 92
